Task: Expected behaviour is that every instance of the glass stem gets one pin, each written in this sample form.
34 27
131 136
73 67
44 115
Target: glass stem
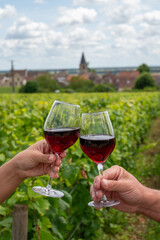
49 182
100 170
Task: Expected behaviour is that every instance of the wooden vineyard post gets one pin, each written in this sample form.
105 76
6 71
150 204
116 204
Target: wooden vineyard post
20 222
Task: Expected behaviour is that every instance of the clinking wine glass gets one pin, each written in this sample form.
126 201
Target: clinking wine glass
97 141
61 130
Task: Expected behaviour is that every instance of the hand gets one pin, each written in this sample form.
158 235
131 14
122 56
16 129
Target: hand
118 184
37 160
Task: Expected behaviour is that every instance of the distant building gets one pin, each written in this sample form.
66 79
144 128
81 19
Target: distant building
62 78
108 78
32 75
83 66
5 80
94 77
20 78
156 77
125 80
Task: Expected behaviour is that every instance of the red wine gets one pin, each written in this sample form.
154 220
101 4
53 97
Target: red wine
97 147
60 139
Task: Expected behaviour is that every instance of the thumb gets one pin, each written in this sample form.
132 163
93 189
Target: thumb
113 185
44 158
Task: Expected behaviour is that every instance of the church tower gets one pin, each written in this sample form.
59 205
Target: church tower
83 66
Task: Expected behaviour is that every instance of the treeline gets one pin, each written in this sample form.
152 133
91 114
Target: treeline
47 83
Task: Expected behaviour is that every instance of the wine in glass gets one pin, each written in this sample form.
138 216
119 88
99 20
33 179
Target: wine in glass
97 141
61 130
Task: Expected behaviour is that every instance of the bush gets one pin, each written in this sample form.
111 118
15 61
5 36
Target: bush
67 90
150 89
80 84
30 87
46 83
144 80
104 88
21 90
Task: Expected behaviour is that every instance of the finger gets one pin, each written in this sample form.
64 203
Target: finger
112 185
113 173
44 158
46 147
63 154
53 174
97 182
110 195
58 162
93 194
99 195
56 169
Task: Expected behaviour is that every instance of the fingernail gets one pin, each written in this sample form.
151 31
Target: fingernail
50 159
93 195
97 194
105 182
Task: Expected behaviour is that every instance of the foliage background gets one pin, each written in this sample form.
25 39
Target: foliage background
21 124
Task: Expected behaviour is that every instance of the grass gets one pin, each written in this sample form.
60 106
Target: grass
8 89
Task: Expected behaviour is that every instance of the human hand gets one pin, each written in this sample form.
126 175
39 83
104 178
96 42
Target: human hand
118 184
37 160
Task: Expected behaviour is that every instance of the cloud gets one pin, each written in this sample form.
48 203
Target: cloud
7 12
76 16
122 12
89 2
116 11
152 18
29 38
39 1
122 30
24 28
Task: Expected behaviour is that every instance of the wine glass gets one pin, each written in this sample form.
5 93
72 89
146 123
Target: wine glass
97 141
61 130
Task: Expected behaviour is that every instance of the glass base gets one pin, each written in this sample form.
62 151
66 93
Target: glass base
49 192
102 204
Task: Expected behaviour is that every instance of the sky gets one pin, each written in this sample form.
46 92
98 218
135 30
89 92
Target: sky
52 34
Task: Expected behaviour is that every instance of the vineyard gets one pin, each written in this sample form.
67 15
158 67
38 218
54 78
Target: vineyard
22 118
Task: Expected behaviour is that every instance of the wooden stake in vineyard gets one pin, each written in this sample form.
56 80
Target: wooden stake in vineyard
12 75
20 222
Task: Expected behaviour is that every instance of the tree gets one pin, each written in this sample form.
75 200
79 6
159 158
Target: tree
31 87
144 80
80 84
46 83
91 70
143 68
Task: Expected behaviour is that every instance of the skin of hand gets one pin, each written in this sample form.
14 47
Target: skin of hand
118 184
37 160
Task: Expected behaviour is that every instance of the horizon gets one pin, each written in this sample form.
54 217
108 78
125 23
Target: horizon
152 68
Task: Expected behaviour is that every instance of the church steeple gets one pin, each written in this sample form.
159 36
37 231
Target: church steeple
83 67
83 61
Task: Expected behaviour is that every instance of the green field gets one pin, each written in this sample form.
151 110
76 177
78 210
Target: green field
21 123
8 89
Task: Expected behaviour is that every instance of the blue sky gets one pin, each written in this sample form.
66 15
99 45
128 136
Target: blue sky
47 34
